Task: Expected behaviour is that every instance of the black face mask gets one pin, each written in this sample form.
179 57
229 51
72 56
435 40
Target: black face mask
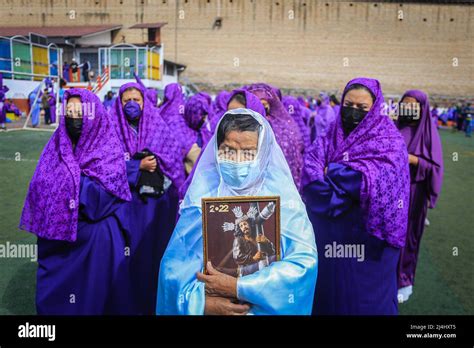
74 128
408 114
409 118
351 117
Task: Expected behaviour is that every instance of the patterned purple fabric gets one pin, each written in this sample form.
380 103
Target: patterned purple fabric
252 103
427 145
278 93
296 111
305 109
378 151
153 134
285 128
196 107
108 103
152 95
220 104
324 116
172 111
52 203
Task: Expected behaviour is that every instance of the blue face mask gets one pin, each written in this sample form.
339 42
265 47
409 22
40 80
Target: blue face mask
132 110
234 173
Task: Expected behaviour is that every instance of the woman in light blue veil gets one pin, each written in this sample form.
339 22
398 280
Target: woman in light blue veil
285 286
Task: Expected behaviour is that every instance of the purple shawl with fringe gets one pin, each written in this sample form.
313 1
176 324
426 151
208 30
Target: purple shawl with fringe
198 105
285 128
172 111
153 134
376 149
426 144
52 203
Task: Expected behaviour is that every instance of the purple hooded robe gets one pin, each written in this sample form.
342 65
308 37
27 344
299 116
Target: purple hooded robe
426 179
172 111
153 219
72 206
356 192
219 107
324 117
198 115
296 111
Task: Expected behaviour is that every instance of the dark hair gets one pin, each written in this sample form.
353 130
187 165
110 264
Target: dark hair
334 99
236 122
359 86
239 97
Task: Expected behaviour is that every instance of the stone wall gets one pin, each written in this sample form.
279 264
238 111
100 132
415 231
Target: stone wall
293 44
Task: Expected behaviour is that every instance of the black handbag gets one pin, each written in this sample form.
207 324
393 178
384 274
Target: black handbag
150 184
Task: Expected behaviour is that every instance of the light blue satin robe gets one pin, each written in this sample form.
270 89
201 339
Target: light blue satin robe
285 287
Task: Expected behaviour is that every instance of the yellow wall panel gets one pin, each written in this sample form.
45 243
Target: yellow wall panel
40 61
153 59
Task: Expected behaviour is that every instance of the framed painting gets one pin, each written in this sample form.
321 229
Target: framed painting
241 234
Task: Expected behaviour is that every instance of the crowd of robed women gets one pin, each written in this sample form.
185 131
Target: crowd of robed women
115 200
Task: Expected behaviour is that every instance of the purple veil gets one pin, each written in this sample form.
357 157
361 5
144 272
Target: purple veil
426 143
153 134
252 102
325 115
196 106
172 111
152 95
52 203
376 149
285 128
296 111
220 104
